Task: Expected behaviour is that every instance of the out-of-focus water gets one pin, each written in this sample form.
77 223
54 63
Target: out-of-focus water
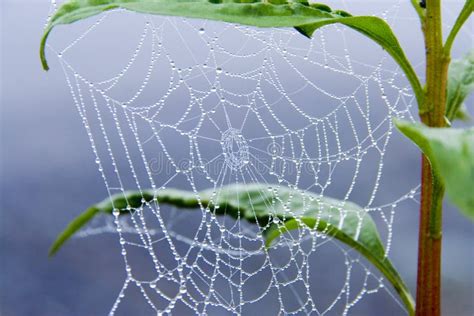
48 176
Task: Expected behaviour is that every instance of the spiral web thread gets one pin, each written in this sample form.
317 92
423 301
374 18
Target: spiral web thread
243 105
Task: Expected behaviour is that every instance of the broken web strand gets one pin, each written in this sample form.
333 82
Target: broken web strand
237 165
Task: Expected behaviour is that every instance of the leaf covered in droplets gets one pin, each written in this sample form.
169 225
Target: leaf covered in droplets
276 210
304 16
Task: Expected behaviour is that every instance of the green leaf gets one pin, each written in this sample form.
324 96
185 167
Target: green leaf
463 16
381 33
276 210
451 154
460 84
122 203
272 13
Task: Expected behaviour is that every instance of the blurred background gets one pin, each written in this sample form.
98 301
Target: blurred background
48 176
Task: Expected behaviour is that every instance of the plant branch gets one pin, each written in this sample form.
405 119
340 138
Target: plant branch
419 10
432 113
462 18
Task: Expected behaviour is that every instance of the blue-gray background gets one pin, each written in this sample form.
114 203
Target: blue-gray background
48 175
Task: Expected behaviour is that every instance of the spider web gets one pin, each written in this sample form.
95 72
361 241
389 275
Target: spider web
189 104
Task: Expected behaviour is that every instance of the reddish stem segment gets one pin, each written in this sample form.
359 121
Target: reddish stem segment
428 294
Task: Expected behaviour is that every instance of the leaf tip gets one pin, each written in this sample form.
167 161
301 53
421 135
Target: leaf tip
72 228
52 250
305 32
44 61
268 244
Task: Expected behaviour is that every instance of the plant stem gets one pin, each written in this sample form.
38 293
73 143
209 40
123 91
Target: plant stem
432 113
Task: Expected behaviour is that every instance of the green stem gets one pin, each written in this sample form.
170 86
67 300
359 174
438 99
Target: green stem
432 113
